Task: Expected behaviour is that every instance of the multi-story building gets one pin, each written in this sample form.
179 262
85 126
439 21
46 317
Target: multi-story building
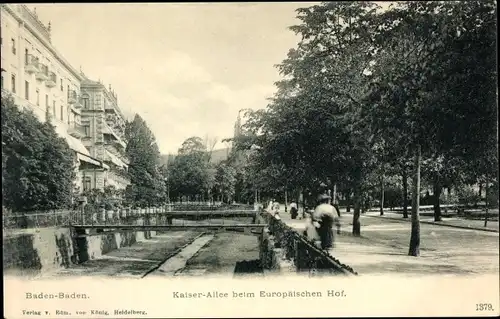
105 131
41 80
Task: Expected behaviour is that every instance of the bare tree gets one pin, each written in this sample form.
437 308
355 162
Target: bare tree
210 142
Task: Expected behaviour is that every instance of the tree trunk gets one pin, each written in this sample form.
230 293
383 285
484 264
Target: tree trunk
405 193
486 202
286 200
334 197
356 225
348 201
437 194
415 218
382 195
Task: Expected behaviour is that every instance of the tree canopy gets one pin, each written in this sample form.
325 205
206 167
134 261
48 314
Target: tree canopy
38 167
147 183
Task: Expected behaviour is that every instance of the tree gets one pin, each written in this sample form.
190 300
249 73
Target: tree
210 142
363 92
38 167
322 94
225 182
190 173
147 182
427 48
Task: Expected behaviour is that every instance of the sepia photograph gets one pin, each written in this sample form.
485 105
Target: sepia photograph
218 155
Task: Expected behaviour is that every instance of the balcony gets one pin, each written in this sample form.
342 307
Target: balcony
43 72
73 97
76 130
31 64
109 147
51 80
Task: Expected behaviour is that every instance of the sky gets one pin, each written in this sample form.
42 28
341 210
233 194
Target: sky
187 69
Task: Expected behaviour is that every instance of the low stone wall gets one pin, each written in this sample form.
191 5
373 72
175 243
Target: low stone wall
48 249
280 241
45 249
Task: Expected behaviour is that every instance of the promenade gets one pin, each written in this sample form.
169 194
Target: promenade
383 246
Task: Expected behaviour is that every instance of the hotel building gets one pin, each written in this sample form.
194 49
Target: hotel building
41 80
105 127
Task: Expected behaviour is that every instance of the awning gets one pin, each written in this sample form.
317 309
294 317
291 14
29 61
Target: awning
74 143
114 159
111 182
88 159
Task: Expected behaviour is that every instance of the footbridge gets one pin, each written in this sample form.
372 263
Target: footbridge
238 221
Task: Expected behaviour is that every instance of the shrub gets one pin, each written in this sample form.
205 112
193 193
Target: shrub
37 165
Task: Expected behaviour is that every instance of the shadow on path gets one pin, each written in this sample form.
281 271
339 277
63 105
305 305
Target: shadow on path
248 267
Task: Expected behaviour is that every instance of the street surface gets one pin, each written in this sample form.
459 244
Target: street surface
383 247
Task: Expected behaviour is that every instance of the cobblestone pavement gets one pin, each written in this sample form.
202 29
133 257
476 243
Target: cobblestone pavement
383 248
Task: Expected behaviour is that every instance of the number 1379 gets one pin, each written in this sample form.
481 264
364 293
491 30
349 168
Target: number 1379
484 307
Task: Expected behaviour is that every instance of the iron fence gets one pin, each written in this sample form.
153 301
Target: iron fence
37 219
95 215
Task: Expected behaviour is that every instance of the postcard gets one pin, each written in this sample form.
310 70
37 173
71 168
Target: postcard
261 159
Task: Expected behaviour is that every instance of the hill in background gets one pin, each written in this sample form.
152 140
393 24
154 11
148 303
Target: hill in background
217 156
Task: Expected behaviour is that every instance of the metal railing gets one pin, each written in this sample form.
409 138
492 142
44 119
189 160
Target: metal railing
161 216
94 215
37 219
73 97
32 61
52 77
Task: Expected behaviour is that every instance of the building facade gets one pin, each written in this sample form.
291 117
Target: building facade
41 80
104 125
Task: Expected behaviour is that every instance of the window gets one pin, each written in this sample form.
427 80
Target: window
2 82
26 60
37 97
86 102
86 128
46 100
27 90
54 108
62 113
13 46
87 183
13 83
62 88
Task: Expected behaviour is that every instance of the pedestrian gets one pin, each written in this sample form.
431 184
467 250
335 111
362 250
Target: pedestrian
276 208
324 217
270 205
294 212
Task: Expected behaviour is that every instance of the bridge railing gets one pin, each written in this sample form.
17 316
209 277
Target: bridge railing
161 216
94 215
